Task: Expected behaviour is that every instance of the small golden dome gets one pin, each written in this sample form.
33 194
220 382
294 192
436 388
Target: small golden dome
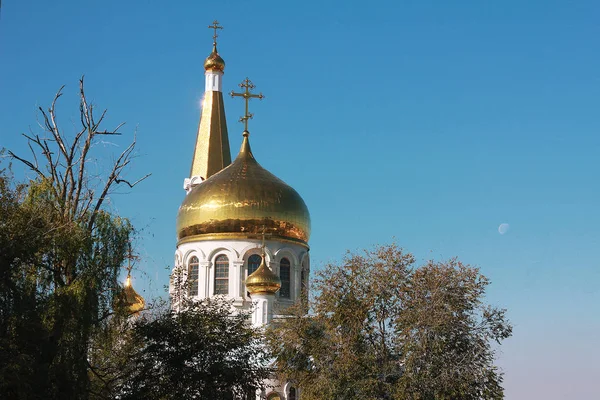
240 202
214 62
263 280
131 299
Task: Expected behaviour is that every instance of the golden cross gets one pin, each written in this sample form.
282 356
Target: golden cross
247 85
215 26
130 257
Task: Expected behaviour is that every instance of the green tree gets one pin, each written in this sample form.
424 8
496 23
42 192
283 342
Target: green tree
61 251
203 351
379 328
110 353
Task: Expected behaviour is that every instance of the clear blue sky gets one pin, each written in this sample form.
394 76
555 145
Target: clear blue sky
429 121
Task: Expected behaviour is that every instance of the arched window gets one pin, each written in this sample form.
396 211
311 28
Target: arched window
221 274
192 279
292 395
253 263
284 275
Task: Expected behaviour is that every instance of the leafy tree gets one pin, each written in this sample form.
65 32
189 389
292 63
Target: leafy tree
203 351
110 354
60 256
379 328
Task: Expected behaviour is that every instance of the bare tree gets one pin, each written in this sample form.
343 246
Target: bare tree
66 169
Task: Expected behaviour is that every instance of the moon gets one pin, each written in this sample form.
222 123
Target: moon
503 228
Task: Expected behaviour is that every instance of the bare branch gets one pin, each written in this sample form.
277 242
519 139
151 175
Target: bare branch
85 120
33 154
100 120
84 105
118 166
134 183
54 128
26 162
107 133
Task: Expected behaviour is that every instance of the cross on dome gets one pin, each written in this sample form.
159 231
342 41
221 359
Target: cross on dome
130 257
131 299
247 85
215 26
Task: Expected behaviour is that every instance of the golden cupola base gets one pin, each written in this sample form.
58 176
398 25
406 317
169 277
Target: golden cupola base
263 280
242 201
131 299
214 62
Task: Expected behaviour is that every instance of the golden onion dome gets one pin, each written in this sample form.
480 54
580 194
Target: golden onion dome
241 201
214 61
131 299
263 280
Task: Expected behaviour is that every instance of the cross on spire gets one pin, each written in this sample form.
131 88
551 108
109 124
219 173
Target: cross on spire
130 257
247 85
215 26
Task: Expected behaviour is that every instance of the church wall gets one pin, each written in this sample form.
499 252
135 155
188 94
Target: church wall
237 252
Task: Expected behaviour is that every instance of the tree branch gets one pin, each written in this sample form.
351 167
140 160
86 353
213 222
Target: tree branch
134 183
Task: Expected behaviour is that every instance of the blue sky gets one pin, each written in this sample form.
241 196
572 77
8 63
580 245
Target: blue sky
431 122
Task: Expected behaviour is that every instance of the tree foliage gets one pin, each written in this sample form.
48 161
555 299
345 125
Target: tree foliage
203 351
379 328
61 251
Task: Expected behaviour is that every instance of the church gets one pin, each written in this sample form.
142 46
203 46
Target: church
242 233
